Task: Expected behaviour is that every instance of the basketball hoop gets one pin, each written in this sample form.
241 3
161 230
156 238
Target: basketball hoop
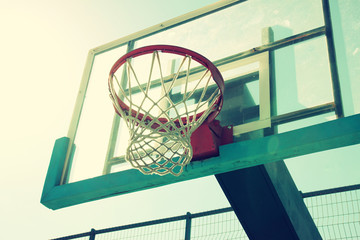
160 122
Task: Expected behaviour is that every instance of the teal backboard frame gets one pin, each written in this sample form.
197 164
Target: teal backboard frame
333 134
59 192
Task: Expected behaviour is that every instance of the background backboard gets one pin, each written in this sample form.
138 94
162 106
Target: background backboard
253 45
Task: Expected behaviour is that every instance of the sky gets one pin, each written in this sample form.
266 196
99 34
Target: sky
44 48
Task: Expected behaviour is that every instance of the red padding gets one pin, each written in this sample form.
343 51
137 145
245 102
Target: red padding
206 140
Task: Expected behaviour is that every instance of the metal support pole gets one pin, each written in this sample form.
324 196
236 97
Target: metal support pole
267 36
332 59
188 226
92 234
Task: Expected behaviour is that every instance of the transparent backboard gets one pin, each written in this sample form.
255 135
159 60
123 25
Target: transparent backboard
275 59
216 36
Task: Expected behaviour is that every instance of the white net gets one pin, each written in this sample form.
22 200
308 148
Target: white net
161 112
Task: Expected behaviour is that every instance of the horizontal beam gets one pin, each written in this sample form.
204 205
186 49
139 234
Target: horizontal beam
294 39
333 134
331 191
303 113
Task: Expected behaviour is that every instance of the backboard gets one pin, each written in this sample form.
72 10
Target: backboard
268 53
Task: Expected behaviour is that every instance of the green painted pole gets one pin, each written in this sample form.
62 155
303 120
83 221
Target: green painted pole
92 234
188 226
332 59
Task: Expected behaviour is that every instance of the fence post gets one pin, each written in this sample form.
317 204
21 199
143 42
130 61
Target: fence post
188 226
92 234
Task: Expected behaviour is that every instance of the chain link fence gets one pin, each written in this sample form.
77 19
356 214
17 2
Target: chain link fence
336 213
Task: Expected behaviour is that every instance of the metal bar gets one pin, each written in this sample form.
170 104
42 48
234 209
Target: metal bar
331 191
332 59
303 113
268 37
212 212
86 234
243 79
188 226
316 32
77 113
142 224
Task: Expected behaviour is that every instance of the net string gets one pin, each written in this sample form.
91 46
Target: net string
165 148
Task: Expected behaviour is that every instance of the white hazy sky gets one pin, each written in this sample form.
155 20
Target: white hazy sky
44 45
